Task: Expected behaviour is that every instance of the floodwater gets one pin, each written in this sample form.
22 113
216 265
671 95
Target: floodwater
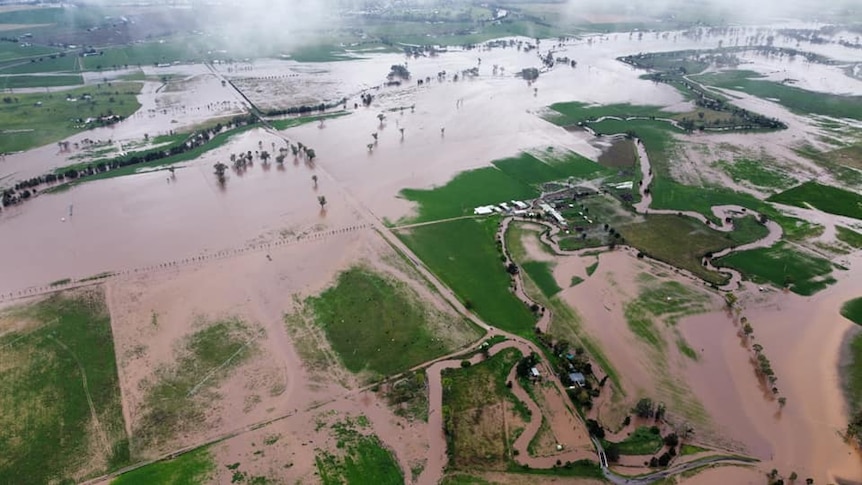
147 219
802 337
150 219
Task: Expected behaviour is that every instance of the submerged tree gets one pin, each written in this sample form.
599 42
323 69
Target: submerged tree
321 199
314 179
219 171
310 154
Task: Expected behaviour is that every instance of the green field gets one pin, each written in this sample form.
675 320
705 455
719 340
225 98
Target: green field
542 274
39 65
150 53
287 123
509 179
192 468
14 50
475 435
567 114
178 398
361 458
782 266
852 310
15 82
756 173
377 324
36 125
463 254
852 374
823 197
659 236
60 409
849 237
215 142
795 99
641 442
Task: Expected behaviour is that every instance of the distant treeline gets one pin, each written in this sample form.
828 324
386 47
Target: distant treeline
25 189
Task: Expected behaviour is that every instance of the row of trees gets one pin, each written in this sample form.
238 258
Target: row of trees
26 188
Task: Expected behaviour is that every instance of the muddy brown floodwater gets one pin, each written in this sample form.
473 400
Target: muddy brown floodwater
150 219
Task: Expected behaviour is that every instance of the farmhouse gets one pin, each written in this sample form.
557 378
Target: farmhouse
577 379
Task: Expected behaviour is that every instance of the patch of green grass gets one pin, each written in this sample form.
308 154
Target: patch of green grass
756 173
375 323
567 114
320 53
576 280
798 100
14 82
782 266
852 374
463 254
463 479
514 178
475 436
542 274
687 449
592 268
13 50
56 117
177 401
685 349
361 459
580 468
667 194
641 442
146 54
60 408
849 236
822 197
641 324
191 468
852 310
671 300
216 142
287 123
44 64
659 235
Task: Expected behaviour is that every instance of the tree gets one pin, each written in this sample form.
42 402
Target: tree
381 117
264 155
644 408
782 401
219 171
612 452
671 440
314 179
321 199
310 154
793 476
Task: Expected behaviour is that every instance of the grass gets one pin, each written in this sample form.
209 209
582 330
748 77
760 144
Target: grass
45 64
215 142
668 194
195 467
463 254
852 374
177 400
567 114
687 449
287 123
756 173
15 82
375 323
782 266
542 274
592 268
362 459
576 280
641 442
475 436
822 197
57 361
797 100
56 117
852 310
148 53
849 237
512 178
659 235
665 300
